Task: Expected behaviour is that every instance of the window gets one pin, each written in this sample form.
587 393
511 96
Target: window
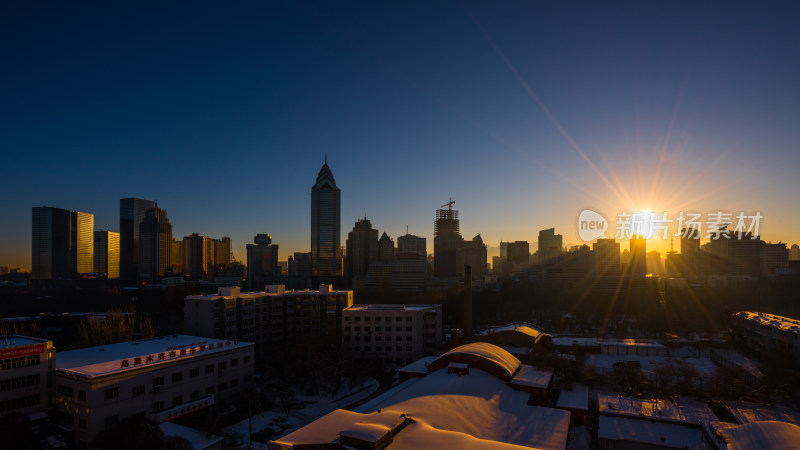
138 390
158 381
210 390
112 421
387 328
398 329
194 372
378 348
246 359
247 379
398 319
399 349
221 365
222 387
82 396
398 338
234 383
347 318
358 318
408 328
111 393
378 319
158 406
408 319
195 395
209 368
366 329
64 390
347 329
82 423
177 400
408 348
347 338
366 318
358 328
177 376
234 362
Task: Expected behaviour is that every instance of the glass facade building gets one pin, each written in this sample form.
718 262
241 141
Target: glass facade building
131 214
326 258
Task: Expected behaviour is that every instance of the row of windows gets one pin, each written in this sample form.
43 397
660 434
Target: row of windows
19 382
22 361
347 338
378 329
379 348
378 319
195 395
19 403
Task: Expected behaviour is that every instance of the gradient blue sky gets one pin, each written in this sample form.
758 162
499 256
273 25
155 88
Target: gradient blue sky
524 112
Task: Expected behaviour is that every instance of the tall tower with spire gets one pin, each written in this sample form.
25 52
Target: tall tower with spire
326 207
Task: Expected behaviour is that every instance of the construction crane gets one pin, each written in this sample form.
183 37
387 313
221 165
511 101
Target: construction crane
449 204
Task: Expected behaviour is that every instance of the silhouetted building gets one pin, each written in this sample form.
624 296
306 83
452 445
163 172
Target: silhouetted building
638 258
518 252
794 253
326 255
62 243
155 245
299 267
131 214
744 254
106 253
362 249
550 245
446 242
411 243
408 271
772 257
177 256
472 253
691 258
262 262
654 265
385 248
198 256
607 257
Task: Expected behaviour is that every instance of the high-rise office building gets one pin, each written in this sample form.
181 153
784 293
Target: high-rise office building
106 253
550 245
446 242
177 256
472 253
607 258
362 249
638 260
515 252
326 199
62 243
690 250
411 243
772 257
385 248
155 245
262 262
131 214
198 256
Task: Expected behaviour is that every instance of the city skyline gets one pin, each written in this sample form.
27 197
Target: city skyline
516 111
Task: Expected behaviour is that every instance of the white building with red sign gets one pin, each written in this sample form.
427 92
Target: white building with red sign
160 378
25 365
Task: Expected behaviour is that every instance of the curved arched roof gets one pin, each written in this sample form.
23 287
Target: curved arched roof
483 355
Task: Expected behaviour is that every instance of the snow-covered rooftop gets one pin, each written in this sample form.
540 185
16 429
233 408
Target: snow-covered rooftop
113 358
663 410
705 367
199 440
513 327
532 377
576 398
478 405
771 320
743 412
16 340
418 366
660 434
759 435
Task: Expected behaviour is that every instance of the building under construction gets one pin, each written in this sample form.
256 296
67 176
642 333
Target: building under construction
446 241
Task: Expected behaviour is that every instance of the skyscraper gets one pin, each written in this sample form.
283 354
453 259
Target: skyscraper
411 243
638 261
515 252
550 245
106 253
131 214
446 241
262 262
198 256
362 249
62 243
385 248
472 253
794 253
606 254
326 207
155 245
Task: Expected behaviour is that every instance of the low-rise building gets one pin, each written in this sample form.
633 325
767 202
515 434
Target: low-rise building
763 332
26 365
395 334
160 378
267 317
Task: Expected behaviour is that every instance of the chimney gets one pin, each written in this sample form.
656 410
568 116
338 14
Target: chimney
467 302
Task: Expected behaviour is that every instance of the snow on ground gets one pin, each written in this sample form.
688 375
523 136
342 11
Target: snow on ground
316 407
705 367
